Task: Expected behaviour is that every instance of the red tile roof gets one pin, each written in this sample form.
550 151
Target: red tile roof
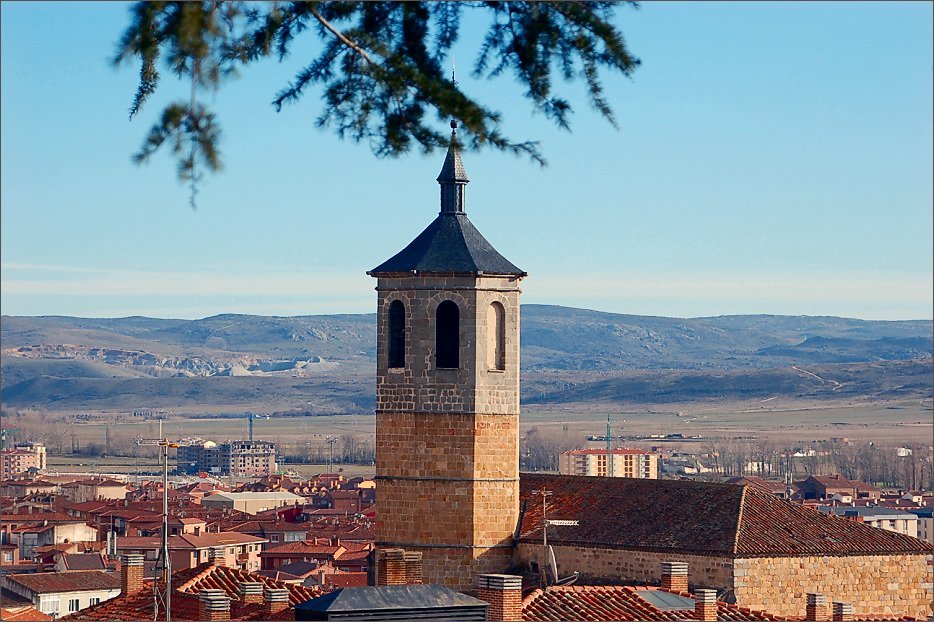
308 548
612 602
187 584
78 581
23 614
84 561
694 517
346 579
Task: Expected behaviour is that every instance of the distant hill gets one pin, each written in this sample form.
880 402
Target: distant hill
70 362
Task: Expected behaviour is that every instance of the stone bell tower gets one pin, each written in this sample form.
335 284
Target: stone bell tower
447 418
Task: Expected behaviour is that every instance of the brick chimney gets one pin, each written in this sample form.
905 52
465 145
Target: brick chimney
842 612
213 605
390 567
705 605
675 576
218 556
275 600
131 581
504 593
251 592
817 609
413 567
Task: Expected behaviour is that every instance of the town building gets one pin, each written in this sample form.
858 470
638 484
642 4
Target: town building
925 523
19 488
836 487
617 463
236 458
94 489
890 519
447 414
34 534
23 458
251 502
741 540
232 549
61 593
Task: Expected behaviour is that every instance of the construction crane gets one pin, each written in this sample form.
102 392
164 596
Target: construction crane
3 434
166 596
251 417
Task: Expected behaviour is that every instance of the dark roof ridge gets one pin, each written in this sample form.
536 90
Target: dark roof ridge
451 244
739 519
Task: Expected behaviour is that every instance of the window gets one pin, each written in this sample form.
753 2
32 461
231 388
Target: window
95 601
397 334
274 537
73 605
496 336
447 336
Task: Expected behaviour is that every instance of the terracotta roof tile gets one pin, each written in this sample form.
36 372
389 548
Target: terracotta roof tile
695 517
78 581
23 614
187 584
612 602
84 561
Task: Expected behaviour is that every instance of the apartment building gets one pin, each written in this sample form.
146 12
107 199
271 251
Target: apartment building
238 458
636 463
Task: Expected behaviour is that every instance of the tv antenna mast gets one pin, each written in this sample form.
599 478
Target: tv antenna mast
165 597
549 567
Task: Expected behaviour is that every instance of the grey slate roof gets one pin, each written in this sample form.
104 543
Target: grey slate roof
449 244
427 596
453 170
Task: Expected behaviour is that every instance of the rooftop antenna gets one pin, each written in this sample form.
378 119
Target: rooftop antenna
166 596
549 567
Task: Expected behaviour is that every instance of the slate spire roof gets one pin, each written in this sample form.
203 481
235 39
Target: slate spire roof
453 169
450 244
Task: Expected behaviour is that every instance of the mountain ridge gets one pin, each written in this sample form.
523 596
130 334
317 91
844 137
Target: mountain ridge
80 361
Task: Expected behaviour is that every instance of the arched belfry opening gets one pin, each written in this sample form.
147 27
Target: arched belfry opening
396 349
496 337
447 335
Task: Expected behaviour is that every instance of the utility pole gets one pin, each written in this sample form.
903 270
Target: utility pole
166 596
330 441
609 446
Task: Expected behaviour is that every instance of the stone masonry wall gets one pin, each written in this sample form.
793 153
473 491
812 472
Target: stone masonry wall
637 566
447 440
891 585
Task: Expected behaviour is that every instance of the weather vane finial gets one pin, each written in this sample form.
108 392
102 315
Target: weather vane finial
454 82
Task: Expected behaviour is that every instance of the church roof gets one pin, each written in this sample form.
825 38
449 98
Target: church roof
694 517
450 244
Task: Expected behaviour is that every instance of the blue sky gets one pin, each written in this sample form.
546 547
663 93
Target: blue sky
771 158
